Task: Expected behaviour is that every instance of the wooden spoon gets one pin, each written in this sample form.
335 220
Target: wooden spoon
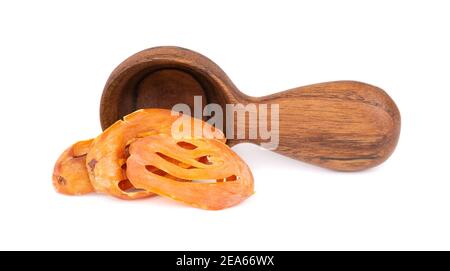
342 125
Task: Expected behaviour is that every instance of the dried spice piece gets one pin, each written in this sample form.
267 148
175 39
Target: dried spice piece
200 172
70 175
106 160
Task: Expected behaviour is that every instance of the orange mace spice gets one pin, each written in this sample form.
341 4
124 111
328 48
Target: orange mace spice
138 157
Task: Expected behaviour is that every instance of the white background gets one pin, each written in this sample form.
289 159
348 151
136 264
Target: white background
55 57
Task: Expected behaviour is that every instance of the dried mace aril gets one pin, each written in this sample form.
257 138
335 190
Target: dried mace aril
208 175
70 175
139 157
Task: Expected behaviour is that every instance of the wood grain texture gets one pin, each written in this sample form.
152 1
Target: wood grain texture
343 125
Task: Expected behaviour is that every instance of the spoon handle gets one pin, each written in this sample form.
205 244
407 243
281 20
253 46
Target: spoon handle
342 125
